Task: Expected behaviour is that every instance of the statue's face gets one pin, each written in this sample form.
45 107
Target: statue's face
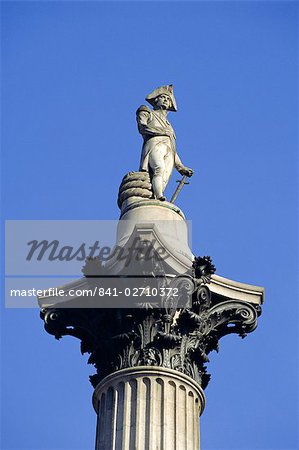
162 102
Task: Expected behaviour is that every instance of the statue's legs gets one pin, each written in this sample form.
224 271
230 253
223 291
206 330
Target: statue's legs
161 164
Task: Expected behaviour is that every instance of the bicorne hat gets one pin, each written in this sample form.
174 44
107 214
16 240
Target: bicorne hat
167 90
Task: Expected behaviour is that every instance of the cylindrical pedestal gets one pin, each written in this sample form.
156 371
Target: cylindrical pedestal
168 219
163 226
148 408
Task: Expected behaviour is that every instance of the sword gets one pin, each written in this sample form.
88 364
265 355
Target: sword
179 188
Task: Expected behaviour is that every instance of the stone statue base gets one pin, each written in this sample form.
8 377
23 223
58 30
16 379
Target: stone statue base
163 225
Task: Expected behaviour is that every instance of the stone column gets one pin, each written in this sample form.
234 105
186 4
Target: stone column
151 353
148 408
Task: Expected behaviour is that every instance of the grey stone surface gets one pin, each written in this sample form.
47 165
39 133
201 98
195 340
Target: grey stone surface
159 155
160 223
236 290
148 408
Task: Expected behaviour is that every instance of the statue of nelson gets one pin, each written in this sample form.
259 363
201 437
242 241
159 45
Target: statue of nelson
159 154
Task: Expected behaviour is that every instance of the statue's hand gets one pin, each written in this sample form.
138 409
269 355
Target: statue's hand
186 171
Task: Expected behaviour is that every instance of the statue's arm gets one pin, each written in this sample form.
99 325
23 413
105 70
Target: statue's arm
183 170
178 163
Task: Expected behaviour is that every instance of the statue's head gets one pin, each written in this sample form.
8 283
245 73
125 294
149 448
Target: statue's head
163 98
163 101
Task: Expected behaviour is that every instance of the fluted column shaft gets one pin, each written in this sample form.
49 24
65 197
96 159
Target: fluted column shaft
148 408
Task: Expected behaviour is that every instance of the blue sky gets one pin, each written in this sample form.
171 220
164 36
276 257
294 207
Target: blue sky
73 74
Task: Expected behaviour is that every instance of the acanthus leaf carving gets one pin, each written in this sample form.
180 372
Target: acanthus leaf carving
179 334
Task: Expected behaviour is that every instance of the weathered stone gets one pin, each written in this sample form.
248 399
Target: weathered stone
148 408
159 155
